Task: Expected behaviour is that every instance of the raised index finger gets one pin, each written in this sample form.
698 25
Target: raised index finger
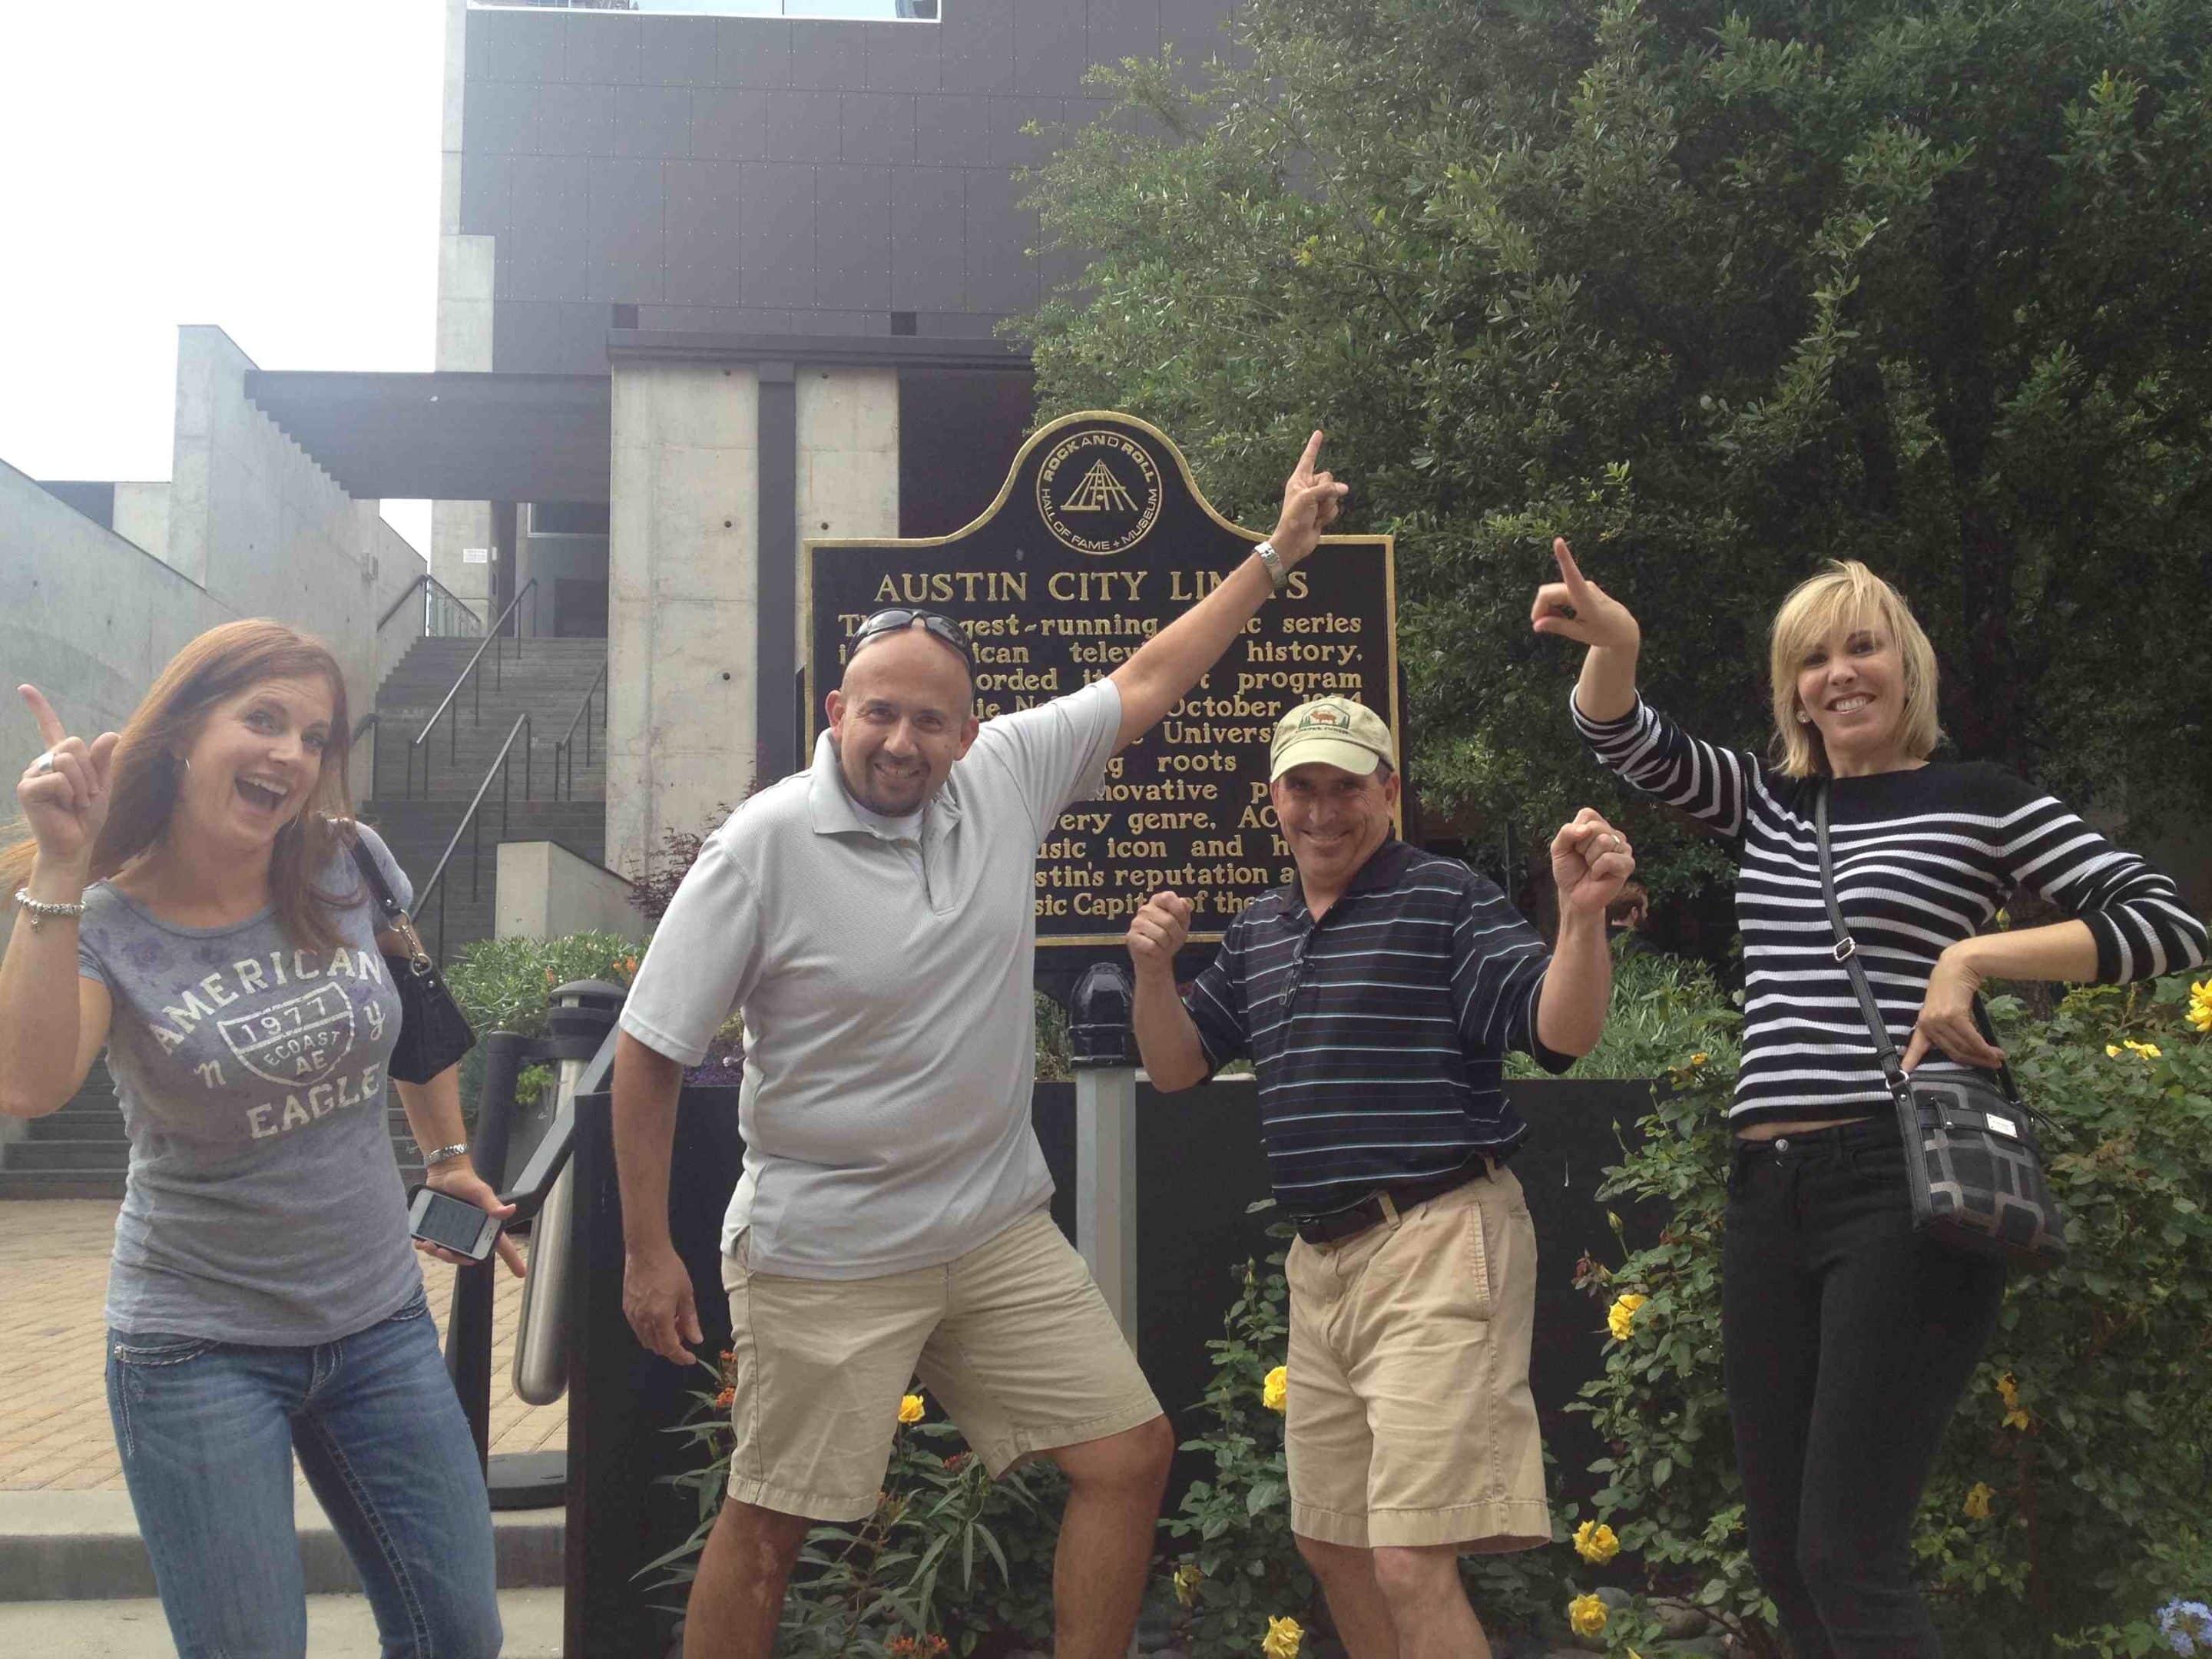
1569 571
1304 468
51 729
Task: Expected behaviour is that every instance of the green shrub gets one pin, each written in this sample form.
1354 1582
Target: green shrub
507 984
1664 1009
1239 1566
948 1556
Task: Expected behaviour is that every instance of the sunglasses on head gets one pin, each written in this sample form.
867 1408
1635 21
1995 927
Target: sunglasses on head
898 620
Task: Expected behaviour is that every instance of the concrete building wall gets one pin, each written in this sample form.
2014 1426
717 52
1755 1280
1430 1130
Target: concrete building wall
267 533
763 174
142 516
683 563
86 616
248 526
848 459
464 326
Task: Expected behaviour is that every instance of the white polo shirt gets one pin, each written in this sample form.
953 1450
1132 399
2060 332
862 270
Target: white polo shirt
886 987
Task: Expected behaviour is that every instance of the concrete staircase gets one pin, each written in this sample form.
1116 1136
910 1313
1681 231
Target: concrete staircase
76 1152
545 679
80 1152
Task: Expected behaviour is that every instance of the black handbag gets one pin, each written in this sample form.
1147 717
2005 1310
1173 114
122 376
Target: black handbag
433 1032
1970 1156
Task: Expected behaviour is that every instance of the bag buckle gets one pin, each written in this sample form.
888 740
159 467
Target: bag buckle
1846 948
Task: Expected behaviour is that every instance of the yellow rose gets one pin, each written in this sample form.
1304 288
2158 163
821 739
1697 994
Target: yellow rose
1700 1057
1976 1506
1586 1615
1594 1542
910 1408
1186 1577
1620 1318
1275 1392
2200 1005
2148 1050
1284 1636
2015 1415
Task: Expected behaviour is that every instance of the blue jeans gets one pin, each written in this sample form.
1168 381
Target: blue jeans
208 1431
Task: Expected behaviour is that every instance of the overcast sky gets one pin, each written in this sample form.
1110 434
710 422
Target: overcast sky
269 165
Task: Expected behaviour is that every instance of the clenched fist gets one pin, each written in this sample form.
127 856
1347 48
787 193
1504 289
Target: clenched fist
1590 862
1157 931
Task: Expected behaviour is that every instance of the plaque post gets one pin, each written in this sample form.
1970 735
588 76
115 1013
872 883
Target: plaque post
1106 1136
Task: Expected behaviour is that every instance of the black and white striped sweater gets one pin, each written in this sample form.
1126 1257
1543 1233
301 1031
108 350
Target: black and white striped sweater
1924 859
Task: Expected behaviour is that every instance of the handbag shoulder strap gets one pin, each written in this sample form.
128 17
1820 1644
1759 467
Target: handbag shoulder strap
396 919
1847 948
1847 953
380 889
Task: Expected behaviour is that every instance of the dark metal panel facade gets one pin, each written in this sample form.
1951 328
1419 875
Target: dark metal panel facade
742 174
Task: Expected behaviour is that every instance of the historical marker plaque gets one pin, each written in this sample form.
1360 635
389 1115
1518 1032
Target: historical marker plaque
1098 539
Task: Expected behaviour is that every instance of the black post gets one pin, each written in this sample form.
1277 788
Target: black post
468 1323
776 728
622 1399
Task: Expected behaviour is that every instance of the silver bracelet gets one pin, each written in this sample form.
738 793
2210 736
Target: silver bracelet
445 1154
1277 573
41 912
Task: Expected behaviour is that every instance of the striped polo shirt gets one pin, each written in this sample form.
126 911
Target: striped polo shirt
1924 859
1378 1033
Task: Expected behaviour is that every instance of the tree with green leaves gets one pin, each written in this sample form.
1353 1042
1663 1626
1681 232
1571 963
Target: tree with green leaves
1717 292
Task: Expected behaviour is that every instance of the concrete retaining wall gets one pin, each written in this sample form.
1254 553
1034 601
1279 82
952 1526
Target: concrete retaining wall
546 891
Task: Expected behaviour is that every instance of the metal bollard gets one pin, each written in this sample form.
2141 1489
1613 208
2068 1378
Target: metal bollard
1102 1052
580 1021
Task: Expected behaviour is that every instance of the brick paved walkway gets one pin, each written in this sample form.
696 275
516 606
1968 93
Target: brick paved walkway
54 1433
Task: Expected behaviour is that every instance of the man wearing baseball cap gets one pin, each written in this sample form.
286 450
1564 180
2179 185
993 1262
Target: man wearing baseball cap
1377 996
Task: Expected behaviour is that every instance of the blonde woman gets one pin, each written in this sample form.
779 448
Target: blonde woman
1847 1338
185 897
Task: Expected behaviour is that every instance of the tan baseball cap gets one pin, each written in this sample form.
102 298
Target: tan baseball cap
1334 731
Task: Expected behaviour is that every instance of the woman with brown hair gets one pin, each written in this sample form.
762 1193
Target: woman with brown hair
1846 1336
186 897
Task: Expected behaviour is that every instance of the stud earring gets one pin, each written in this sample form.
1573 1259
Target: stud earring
1804 719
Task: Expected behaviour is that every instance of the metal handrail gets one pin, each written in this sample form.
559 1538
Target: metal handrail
498 681
564 751
427 579
471 824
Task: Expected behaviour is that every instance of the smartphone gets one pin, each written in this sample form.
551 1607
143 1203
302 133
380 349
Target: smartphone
461 1228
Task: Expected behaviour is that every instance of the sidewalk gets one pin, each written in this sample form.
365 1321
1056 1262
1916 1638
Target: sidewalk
54 1432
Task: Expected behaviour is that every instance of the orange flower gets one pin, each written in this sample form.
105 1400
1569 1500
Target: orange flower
722 1400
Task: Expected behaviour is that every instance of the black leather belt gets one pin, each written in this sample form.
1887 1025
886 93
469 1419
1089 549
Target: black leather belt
1385 1203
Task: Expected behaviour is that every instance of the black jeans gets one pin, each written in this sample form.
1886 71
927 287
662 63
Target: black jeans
1846 1340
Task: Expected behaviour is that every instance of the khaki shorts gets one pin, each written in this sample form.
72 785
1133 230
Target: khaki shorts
1012 1338
1410 1420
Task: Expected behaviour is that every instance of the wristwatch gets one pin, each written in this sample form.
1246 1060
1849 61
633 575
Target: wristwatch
1277 572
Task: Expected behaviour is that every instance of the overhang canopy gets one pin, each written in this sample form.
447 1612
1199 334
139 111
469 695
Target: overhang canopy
448 437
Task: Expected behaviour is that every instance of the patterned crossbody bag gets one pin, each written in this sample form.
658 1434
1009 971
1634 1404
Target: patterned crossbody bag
1970 1156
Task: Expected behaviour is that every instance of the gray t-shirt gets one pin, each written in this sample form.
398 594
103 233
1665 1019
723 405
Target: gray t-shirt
885 977
264 1204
